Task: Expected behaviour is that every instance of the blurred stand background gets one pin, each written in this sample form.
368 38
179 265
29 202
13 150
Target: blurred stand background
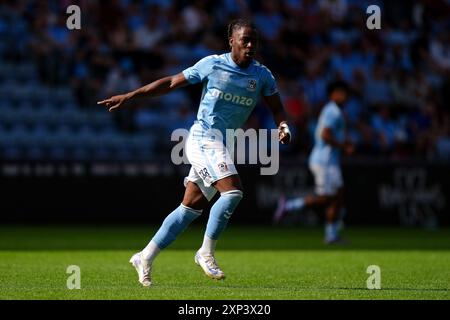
65 159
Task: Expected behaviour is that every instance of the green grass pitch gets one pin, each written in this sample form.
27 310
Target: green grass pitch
260 263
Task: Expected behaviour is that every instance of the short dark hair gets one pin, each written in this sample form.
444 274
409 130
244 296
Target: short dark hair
337 85
240 23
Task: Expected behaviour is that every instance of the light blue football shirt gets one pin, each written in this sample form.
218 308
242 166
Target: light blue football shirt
229 92
324 154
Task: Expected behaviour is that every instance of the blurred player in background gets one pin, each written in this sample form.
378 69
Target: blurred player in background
232 83
324 163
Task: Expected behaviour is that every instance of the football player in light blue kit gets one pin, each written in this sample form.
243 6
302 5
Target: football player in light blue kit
324 163
232 84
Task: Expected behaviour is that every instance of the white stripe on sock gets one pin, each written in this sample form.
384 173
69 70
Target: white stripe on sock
199 212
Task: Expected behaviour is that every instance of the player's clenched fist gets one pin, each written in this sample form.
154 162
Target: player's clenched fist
113 102
284 134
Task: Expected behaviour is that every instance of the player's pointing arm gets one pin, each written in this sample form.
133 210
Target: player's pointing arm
156 88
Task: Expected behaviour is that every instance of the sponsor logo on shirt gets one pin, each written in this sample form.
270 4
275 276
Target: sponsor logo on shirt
234 98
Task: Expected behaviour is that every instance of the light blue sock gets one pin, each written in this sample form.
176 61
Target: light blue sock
221 212
331 231
174 224
295 204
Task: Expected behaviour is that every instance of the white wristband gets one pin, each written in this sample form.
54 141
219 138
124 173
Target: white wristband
285 128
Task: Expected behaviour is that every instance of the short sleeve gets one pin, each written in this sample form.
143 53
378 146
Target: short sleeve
330 119
269 86
198 72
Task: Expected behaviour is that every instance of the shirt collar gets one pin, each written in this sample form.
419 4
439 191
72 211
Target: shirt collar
234 65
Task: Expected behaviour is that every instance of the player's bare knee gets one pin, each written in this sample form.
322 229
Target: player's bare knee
230 183
196 204
194 198
195 201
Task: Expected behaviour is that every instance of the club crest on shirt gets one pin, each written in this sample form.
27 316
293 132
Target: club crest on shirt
251 85
223 167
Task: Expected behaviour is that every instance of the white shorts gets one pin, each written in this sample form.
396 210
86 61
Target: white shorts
328 179
209 158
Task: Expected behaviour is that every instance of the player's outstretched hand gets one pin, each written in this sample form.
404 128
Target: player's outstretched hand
284 134
113 102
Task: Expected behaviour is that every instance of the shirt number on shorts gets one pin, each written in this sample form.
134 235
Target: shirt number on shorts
204 174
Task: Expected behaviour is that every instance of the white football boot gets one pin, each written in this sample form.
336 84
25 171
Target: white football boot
143 269
209 265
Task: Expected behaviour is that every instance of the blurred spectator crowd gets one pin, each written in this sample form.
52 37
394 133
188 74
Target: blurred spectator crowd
51 77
